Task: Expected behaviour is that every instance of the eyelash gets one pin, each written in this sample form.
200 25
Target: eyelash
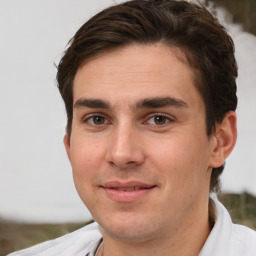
92 116
167 119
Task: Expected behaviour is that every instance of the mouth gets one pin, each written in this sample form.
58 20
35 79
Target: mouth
128 191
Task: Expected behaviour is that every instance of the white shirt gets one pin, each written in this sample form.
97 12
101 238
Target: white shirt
225 239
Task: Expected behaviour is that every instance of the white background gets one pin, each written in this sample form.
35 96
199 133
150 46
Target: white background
36 183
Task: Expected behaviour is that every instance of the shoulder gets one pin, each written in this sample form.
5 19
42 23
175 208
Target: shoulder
77 243
227 238
243 241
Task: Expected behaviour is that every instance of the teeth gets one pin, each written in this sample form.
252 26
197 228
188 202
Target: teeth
127 189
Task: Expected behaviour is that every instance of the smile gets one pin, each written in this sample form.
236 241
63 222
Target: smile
126 192
128 189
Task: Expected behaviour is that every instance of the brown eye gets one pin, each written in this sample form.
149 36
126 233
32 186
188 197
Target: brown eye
97 120
160 120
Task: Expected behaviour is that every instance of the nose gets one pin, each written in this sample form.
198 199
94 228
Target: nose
125 148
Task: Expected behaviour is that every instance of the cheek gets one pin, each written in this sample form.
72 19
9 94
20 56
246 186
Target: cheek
85 153
180 159
171 152
85 163
86 160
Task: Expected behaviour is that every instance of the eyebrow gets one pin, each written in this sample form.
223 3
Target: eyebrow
159 102
91 103
155 102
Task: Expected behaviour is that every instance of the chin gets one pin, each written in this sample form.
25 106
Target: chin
130 229
131 235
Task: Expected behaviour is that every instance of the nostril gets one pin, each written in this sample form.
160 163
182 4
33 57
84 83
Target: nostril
123 165
130 163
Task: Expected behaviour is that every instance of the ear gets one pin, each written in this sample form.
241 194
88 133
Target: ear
225 140
66 141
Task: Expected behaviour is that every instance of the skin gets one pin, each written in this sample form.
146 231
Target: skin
121 138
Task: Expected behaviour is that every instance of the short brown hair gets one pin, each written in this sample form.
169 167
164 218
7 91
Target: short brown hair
190 27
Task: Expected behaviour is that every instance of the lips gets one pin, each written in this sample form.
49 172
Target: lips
127 191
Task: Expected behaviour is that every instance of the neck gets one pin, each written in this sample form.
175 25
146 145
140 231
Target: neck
186 239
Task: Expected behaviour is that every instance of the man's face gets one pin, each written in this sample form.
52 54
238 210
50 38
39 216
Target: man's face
139 151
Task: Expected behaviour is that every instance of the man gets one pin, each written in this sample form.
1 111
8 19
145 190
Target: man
150 94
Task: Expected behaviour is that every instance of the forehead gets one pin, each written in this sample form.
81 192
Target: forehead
136 71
